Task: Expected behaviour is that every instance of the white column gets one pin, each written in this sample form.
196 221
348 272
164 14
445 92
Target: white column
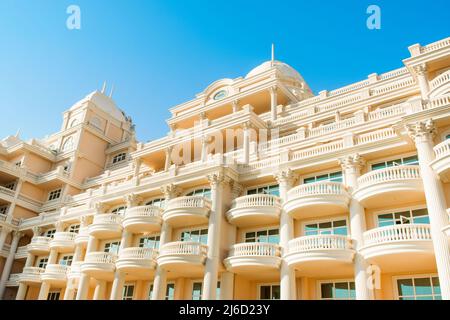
3 234
226 286
168 162
235 106
246 143
9 262
83 284
204 155
286 179
352 169
214 227
100 288
421 72
23 288
423 133
273 103
117 286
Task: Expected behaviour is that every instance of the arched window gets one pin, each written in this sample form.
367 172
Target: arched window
73 123
68 144
119 210
205 192
159 202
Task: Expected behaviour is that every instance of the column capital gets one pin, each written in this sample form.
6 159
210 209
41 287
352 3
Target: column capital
420 69
84 221
7 229
18 234
421 130
216 178
286 176
132 199
236 189
352 161
273 89
100 207
60 225
170 191
37 231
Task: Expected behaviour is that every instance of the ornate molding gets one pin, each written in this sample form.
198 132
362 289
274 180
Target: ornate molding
236 189
132 199
421 130
170 191
420 69
286 176
36 231
216 178
352 161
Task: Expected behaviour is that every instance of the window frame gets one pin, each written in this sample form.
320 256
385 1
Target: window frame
128 285
54 293
266 284
262 186
322 173
161 200
333 281
53 192
119 157
324 220
400 277
156 235
391 158
375 214
192 192
259 229
191 229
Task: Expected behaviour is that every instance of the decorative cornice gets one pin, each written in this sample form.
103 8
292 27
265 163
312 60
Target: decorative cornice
286 176
352 161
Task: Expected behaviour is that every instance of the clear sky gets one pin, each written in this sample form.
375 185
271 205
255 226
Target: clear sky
161 53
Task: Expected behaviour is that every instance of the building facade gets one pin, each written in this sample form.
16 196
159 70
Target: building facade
260 190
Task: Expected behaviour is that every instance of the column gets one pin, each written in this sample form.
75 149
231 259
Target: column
3 234
9 262
235 106
286 179
422 133
227 286
205 141
214 227
137 170
421 71
351 166
83 284
23 288
168 162
100 289
273 103
246 142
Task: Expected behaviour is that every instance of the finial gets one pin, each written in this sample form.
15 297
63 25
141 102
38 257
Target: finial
273 54
104 87
111 92
17 133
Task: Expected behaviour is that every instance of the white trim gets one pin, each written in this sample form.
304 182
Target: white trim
376 213
399 277
320 282
313 220
384 159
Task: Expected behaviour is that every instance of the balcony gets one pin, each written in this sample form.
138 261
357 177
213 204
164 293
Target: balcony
254 210
140 262
143 219
63 241
390 186
82 236
321 254
39 245
317 199
441 165
100 265
187 211
31 275
13 280
74 271
186 257
440 85
253 257
105 226
55 274
394 247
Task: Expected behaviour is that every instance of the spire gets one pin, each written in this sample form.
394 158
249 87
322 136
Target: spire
17 133
273 55
111 92
104 87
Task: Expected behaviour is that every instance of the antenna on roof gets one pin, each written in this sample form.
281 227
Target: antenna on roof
111 92
17 133
104 87
273 55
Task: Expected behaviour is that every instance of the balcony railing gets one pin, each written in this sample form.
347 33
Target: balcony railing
56 269
401 232
322 241
318 188
183 247
64 236
442 149
256 200
440 80
43 241
189 202
389 174
31 273
107 218
144 211
255 249
138 253
101 257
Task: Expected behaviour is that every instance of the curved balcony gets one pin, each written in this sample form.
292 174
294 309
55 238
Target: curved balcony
39 245
183 256
187 211
440 85
254 209
31 275
441 165
253 257
106 226
100 265
316 199
74 271
63 241
55 274
390 186
138 261
82 237
395 247
319 254
143 219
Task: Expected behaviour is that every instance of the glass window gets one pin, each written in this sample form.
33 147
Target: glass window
419 288
339 290
160 203
55 194
273 189
447 137
50 233
198 235
75 228
220 95
66 260
412 160
327 227
204 192
149 242
415 216
333 177
218 291
119 210
268 236
10 186
53 295
197 291
3 209
269 292
42 263
119 158
128 292
170 291
112 247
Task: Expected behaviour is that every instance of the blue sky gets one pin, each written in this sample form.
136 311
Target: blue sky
161 53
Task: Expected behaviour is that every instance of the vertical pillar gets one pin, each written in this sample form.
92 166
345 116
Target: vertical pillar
273 103
421 71
227 286
286 179
204 156
352 170
235 106
117 286
246 143
3 234
83 285
23 288
422 133
9 262
168 162
214 227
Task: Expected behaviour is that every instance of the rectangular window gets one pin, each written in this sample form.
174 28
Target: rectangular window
74 228
327 227
339 290
416 216
55 194
10 186
419 288
332 177
112 247
269 292
197 291
128 292
3 209
199 235
149 242
119 210
42 263
412 160
66 260
170 291
269 189
119 158
268 236
50 233
53 295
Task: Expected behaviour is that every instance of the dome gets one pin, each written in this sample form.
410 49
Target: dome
104 103
285 69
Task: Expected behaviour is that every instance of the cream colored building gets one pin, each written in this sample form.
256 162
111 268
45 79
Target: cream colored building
260 190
